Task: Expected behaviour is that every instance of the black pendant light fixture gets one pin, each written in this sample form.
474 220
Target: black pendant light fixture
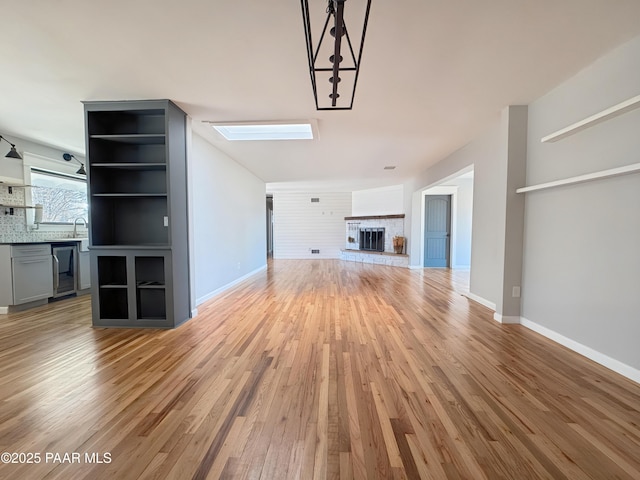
333 63
68 157
13 153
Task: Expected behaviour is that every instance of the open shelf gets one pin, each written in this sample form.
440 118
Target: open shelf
127 195
151 304
150 287
145 166
137 139
150 271
136 181
112 271
125 155
594 119
11 186
129 220
589 177
124 122
112 280
16 185
113 304
16 206
136 160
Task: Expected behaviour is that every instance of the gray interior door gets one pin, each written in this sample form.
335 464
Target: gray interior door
437 230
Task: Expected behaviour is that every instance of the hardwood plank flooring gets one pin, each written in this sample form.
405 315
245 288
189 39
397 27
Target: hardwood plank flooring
316 369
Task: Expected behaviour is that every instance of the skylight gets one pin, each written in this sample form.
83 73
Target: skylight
265 131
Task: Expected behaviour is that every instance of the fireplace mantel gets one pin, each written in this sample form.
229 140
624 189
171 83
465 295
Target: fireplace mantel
375 217
368 252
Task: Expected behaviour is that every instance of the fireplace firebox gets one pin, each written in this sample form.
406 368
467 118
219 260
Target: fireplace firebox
372 239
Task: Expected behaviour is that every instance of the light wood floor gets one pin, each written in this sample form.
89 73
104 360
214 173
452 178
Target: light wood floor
313 369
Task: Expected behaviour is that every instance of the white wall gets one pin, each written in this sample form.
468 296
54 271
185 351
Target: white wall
12 167
484 154
580 257
464 223
378 201
581 268
228 220
301 225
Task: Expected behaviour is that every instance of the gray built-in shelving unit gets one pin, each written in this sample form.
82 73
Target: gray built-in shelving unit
137 187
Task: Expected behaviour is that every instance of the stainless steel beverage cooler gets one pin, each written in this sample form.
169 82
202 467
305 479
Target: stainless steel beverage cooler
65 266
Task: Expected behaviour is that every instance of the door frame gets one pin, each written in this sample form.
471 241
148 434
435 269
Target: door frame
269 221
441 190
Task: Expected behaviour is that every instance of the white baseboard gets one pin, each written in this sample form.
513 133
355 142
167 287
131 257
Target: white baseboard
480 300
506 319
604 360
194 312
4 310
226 287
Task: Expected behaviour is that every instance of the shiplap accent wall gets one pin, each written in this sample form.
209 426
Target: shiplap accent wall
300 225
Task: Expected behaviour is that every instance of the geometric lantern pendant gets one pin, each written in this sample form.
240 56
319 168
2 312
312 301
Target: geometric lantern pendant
334 65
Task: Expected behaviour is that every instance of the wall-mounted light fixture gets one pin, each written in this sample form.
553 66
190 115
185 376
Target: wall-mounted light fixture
13 153
68 157
341 70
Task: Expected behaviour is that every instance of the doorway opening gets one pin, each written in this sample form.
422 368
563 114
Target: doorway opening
269 226
447 222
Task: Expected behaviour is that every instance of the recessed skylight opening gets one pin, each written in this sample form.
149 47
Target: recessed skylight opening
247 131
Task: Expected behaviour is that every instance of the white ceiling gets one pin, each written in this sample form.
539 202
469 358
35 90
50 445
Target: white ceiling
434 73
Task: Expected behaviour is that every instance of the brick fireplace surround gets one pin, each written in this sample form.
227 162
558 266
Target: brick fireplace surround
393 225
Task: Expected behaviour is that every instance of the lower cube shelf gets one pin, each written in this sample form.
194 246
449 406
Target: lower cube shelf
151 304
135 287
114 303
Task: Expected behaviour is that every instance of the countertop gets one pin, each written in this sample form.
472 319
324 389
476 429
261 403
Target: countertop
52 240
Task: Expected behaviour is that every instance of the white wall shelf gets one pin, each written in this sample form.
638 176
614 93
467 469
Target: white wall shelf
5 184
599 117
613 172
11 186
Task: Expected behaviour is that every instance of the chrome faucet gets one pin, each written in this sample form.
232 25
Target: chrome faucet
75 226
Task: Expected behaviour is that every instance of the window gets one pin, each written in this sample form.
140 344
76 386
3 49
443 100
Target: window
63 197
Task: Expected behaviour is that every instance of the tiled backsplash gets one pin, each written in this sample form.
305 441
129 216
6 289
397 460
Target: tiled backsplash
13 228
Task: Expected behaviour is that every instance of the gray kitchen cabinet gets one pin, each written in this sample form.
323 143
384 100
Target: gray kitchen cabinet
84 271
137 186
32 273
6 281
